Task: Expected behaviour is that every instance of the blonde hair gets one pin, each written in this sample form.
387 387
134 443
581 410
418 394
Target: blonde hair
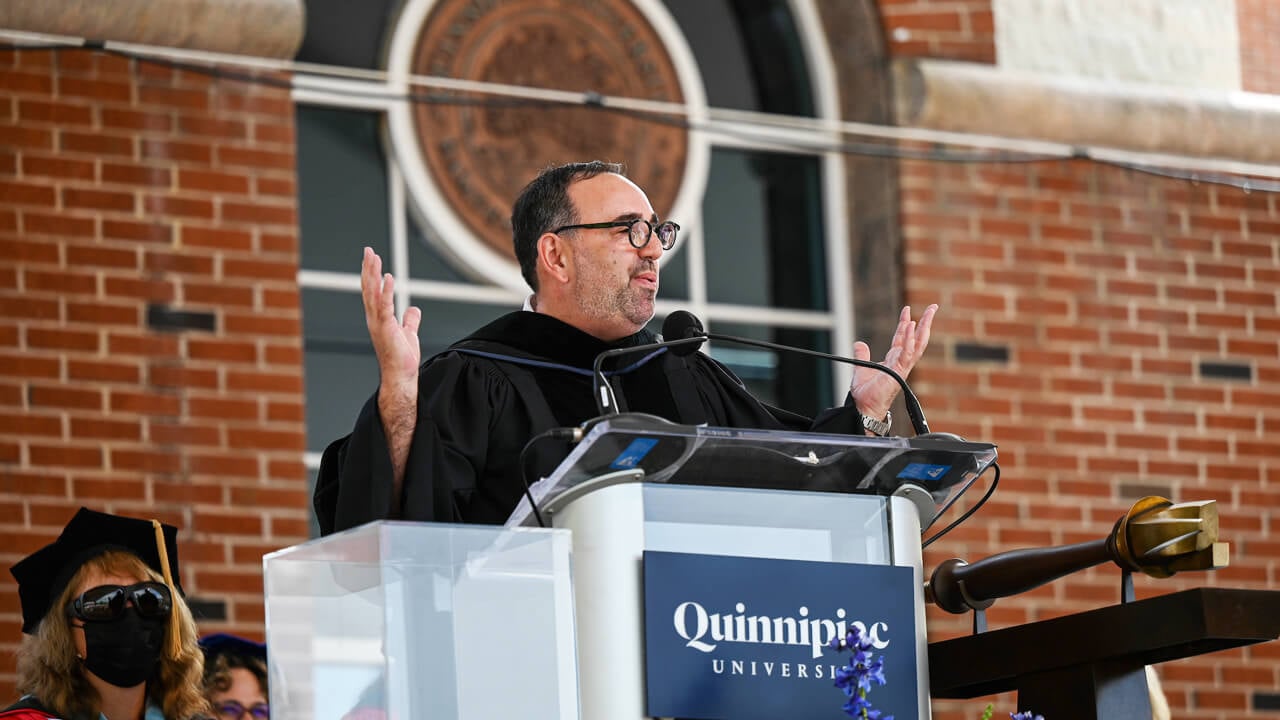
49 670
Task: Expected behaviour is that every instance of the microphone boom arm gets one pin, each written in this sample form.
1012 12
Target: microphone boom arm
606 400
914 411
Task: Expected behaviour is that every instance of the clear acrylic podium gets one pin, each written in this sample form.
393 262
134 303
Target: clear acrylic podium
422 620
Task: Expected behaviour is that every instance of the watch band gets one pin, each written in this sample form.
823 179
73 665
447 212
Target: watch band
878 427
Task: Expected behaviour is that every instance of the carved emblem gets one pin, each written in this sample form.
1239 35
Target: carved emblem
480 150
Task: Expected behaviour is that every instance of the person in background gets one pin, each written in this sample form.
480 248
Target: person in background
235 677
108 635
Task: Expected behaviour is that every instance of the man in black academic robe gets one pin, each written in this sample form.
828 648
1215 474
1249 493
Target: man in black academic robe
444 442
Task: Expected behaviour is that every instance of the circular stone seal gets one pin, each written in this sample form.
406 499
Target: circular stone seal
467 154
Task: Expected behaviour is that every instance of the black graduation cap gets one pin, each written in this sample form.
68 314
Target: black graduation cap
228 644
44 574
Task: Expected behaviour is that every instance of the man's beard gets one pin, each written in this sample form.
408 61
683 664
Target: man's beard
636 304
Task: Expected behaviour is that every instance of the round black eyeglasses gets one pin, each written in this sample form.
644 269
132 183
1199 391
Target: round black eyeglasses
638 231
107 602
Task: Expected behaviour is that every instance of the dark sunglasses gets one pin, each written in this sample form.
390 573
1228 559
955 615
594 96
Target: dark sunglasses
107 602
233 710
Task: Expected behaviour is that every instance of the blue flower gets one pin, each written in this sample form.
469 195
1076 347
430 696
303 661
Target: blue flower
856 677
855 639
861 656
1028 715
847 678
876 672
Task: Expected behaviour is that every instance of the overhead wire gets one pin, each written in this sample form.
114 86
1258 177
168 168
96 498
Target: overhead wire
803 133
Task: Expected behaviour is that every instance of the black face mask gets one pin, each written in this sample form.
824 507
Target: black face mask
124 652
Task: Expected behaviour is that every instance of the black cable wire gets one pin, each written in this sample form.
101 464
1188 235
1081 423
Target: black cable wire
559 433
594 101
995 480
1241 182
955 498
45 46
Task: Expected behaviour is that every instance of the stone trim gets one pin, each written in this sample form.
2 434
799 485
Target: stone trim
261 28
973 98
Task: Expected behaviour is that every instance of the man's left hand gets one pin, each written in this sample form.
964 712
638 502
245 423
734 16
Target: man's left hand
873 391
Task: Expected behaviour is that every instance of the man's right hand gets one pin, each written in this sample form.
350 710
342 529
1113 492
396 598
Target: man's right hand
396 345
395 342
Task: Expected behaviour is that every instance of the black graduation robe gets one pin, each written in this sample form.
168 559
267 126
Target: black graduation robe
476 413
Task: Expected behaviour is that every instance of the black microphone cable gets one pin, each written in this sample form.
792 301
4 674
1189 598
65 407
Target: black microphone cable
693 326
558 433
995 480
914 412
606 400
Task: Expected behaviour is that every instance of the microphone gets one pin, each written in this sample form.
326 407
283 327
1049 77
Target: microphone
685 324
676 338
679 325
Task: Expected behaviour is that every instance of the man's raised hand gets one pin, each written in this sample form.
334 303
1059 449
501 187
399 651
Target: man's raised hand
396 344
873 391
394 341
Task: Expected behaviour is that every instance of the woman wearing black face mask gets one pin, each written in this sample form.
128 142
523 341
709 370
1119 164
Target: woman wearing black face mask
108 634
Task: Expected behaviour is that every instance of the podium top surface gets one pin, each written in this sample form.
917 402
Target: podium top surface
1145 632
648 448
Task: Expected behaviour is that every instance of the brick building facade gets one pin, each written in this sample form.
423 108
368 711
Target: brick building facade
1116 334
150 331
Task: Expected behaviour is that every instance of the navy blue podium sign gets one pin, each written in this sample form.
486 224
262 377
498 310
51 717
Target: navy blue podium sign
741 638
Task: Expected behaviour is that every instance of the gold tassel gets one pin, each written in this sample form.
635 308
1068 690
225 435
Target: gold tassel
173 641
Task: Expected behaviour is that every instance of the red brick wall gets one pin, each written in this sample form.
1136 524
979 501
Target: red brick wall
127 187
1108 288
1259 24
947 29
